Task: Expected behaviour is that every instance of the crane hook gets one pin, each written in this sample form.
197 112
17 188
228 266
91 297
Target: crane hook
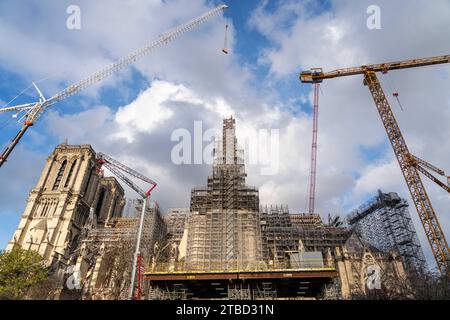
225 44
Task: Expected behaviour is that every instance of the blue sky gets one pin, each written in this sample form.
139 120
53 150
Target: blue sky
132 115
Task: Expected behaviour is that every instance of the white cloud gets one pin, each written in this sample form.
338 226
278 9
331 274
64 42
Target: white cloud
40 45
384 176
146 112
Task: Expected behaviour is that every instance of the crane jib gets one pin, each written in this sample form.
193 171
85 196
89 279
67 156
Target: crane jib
316 75
37 109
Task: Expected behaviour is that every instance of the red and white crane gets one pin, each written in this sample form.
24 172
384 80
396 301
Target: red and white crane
34 110
123 173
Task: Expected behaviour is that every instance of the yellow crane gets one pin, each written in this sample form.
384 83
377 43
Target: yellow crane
409 164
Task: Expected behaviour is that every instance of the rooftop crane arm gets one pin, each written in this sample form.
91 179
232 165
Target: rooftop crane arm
35 110
121 171
421 164
409 164
426 164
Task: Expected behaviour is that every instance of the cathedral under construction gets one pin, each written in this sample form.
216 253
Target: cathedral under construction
226 245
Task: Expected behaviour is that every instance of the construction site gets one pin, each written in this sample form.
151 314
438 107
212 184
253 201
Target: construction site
226 244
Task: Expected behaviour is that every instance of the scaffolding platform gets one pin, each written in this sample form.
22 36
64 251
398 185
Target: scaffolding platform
241 285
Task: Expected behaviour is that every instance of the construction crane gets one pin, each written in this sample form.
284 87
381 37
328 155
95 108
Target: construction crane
409 164
34 110
122 172
312 175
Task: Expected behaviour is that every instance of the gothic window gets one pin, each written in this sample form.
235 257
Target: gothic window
74 243
88 181
113 211
98 208
84 217
60 175
70 174
45 210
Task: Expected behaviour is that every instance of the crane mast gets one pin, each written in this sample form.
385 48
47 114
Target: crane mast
409 164
35 110
426 212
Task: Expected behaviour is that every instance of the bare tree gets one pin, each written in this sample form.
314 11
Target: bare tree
116 273
416 286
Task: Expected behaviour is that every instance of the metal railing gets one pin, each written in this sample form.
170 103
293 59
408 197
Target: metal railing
234 266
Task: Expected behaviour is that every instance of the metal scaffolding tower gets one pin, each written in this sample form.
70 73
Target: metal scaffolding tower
385 223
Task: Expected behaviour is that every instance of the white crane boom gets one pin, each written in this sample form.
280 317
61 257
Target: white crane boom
34 110
121 171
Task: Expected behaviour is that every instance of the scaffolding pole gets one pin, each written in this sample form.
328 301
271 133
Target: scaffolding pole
137 252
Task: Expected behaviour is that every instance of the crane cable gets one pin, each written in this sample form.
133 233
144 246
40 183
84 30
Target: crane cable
21 93
8 121
392 88
225 43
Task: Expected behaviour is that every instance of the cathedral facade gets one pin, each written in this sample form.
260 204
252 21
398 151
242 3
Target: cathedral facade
70 192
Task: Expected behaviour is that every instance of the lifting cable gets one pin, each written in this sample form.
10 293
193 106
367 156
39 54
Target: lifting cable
21 93
8 121
225 43
392 88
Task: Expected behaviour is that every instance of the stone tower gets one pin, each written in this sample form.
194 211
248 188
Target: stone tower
70 187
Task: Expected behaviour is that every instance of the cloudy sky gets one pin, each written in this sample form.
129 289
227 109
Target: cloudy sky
133 114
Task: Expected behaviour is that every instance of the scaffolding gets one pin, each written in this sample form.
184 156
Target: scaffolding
302 220
286 234
324 238
223 227
233 248
385 223
279 235
265 291
175 221
240 285
120 229
226 188
223 240
103 249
